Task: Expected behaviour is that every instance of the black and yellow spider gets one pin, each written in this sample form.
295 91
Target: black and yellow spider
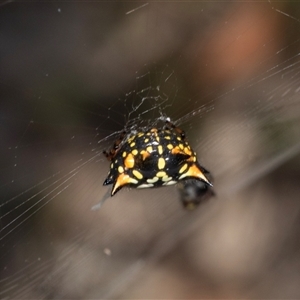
153 158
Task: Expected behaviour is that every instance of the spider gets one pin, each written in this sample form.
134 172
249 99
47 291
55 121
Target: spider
153 158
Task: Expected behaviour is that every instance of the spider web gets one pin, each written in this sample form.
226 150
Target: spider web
74 76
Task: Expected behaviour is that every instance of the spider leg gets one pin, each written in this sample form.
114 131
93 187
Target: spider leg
109 155
112 152
175 128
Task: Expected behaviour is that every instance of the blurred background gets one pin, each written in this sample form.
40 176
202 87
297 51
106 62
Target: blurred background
73 75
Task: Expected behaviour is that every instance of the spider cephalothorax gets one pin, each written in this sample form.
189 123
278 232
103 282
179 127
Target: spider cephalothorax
152 158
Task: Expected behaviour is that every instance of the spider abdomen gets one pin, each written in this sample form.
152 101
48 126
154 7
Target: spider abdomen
152 159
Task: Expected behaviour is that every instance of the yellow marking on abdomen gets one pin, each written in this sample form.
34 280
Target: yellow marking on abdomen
166 178
183 168
161 174
152 180
129 161
161 163
137 174
170 182
145 185
149 149
145 154
187 151
160 149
